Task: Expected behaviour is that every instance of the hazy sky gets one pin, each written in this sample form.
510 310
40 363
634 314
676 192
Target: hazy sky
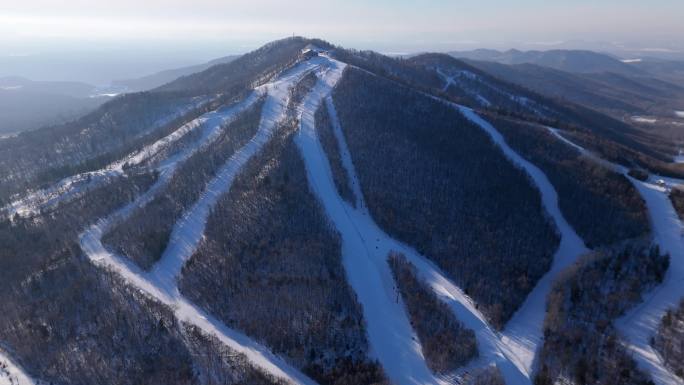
137 37
382 24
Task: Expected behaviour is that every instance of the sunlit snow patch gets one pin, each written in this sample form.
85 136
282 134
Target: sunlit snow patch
644 119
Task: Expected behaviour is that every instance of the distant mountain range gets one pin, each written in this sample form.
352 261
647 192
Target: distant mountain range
566 60
26 104
160 78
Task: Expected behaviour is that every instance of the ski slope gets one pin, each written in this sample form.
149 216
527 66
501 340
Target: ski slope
523 333
365 248
161 283
639 324
70 187
11 373
364 252
513 351
188 231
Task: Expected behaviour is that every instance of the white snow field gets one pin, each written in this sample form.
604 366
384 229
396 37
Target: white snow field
11 373
523 333
639 324
161 282
71 186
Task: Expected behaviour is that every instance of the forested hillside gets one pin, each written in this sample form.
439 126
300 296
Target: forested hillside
309 214
601 205
669 340
580 341
447 344
69 322
145 235
270 266
434 180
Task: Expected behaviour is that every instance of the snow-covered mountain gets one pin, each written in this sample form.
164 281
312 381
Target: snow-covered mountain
309 214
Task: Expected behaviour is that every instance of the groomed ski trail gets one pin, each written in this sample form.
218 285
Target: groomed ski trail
188 231
523 334
364 253
640 323
71 186
514 350
365 248
161 283
11 373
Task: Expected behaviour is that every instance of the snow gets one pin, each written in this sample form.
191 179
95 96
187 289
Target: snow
523 334
679 158
365 248
11 373
71 186
364 252
679 114
344 152
451 80
641 322
644 119
160 283
187 233
631 61
105 95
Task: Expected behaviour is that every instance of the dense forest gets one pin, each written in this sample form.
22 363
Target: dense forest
436 181
447 344
245 72
143 237
38 158
486 376
476 88
669 340
66 320
621 154
677 199
35 159
600 204
270 265
216 364
326 135
580 341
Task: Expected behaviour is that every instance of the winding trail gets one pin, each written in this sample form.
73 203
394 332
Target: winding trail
523 334
640 323
365 249
189 230
11 373
71 186
161 283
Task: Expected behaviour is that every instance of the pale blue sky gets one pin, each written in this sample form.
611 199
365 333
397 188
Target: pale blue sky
101 40
382 24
